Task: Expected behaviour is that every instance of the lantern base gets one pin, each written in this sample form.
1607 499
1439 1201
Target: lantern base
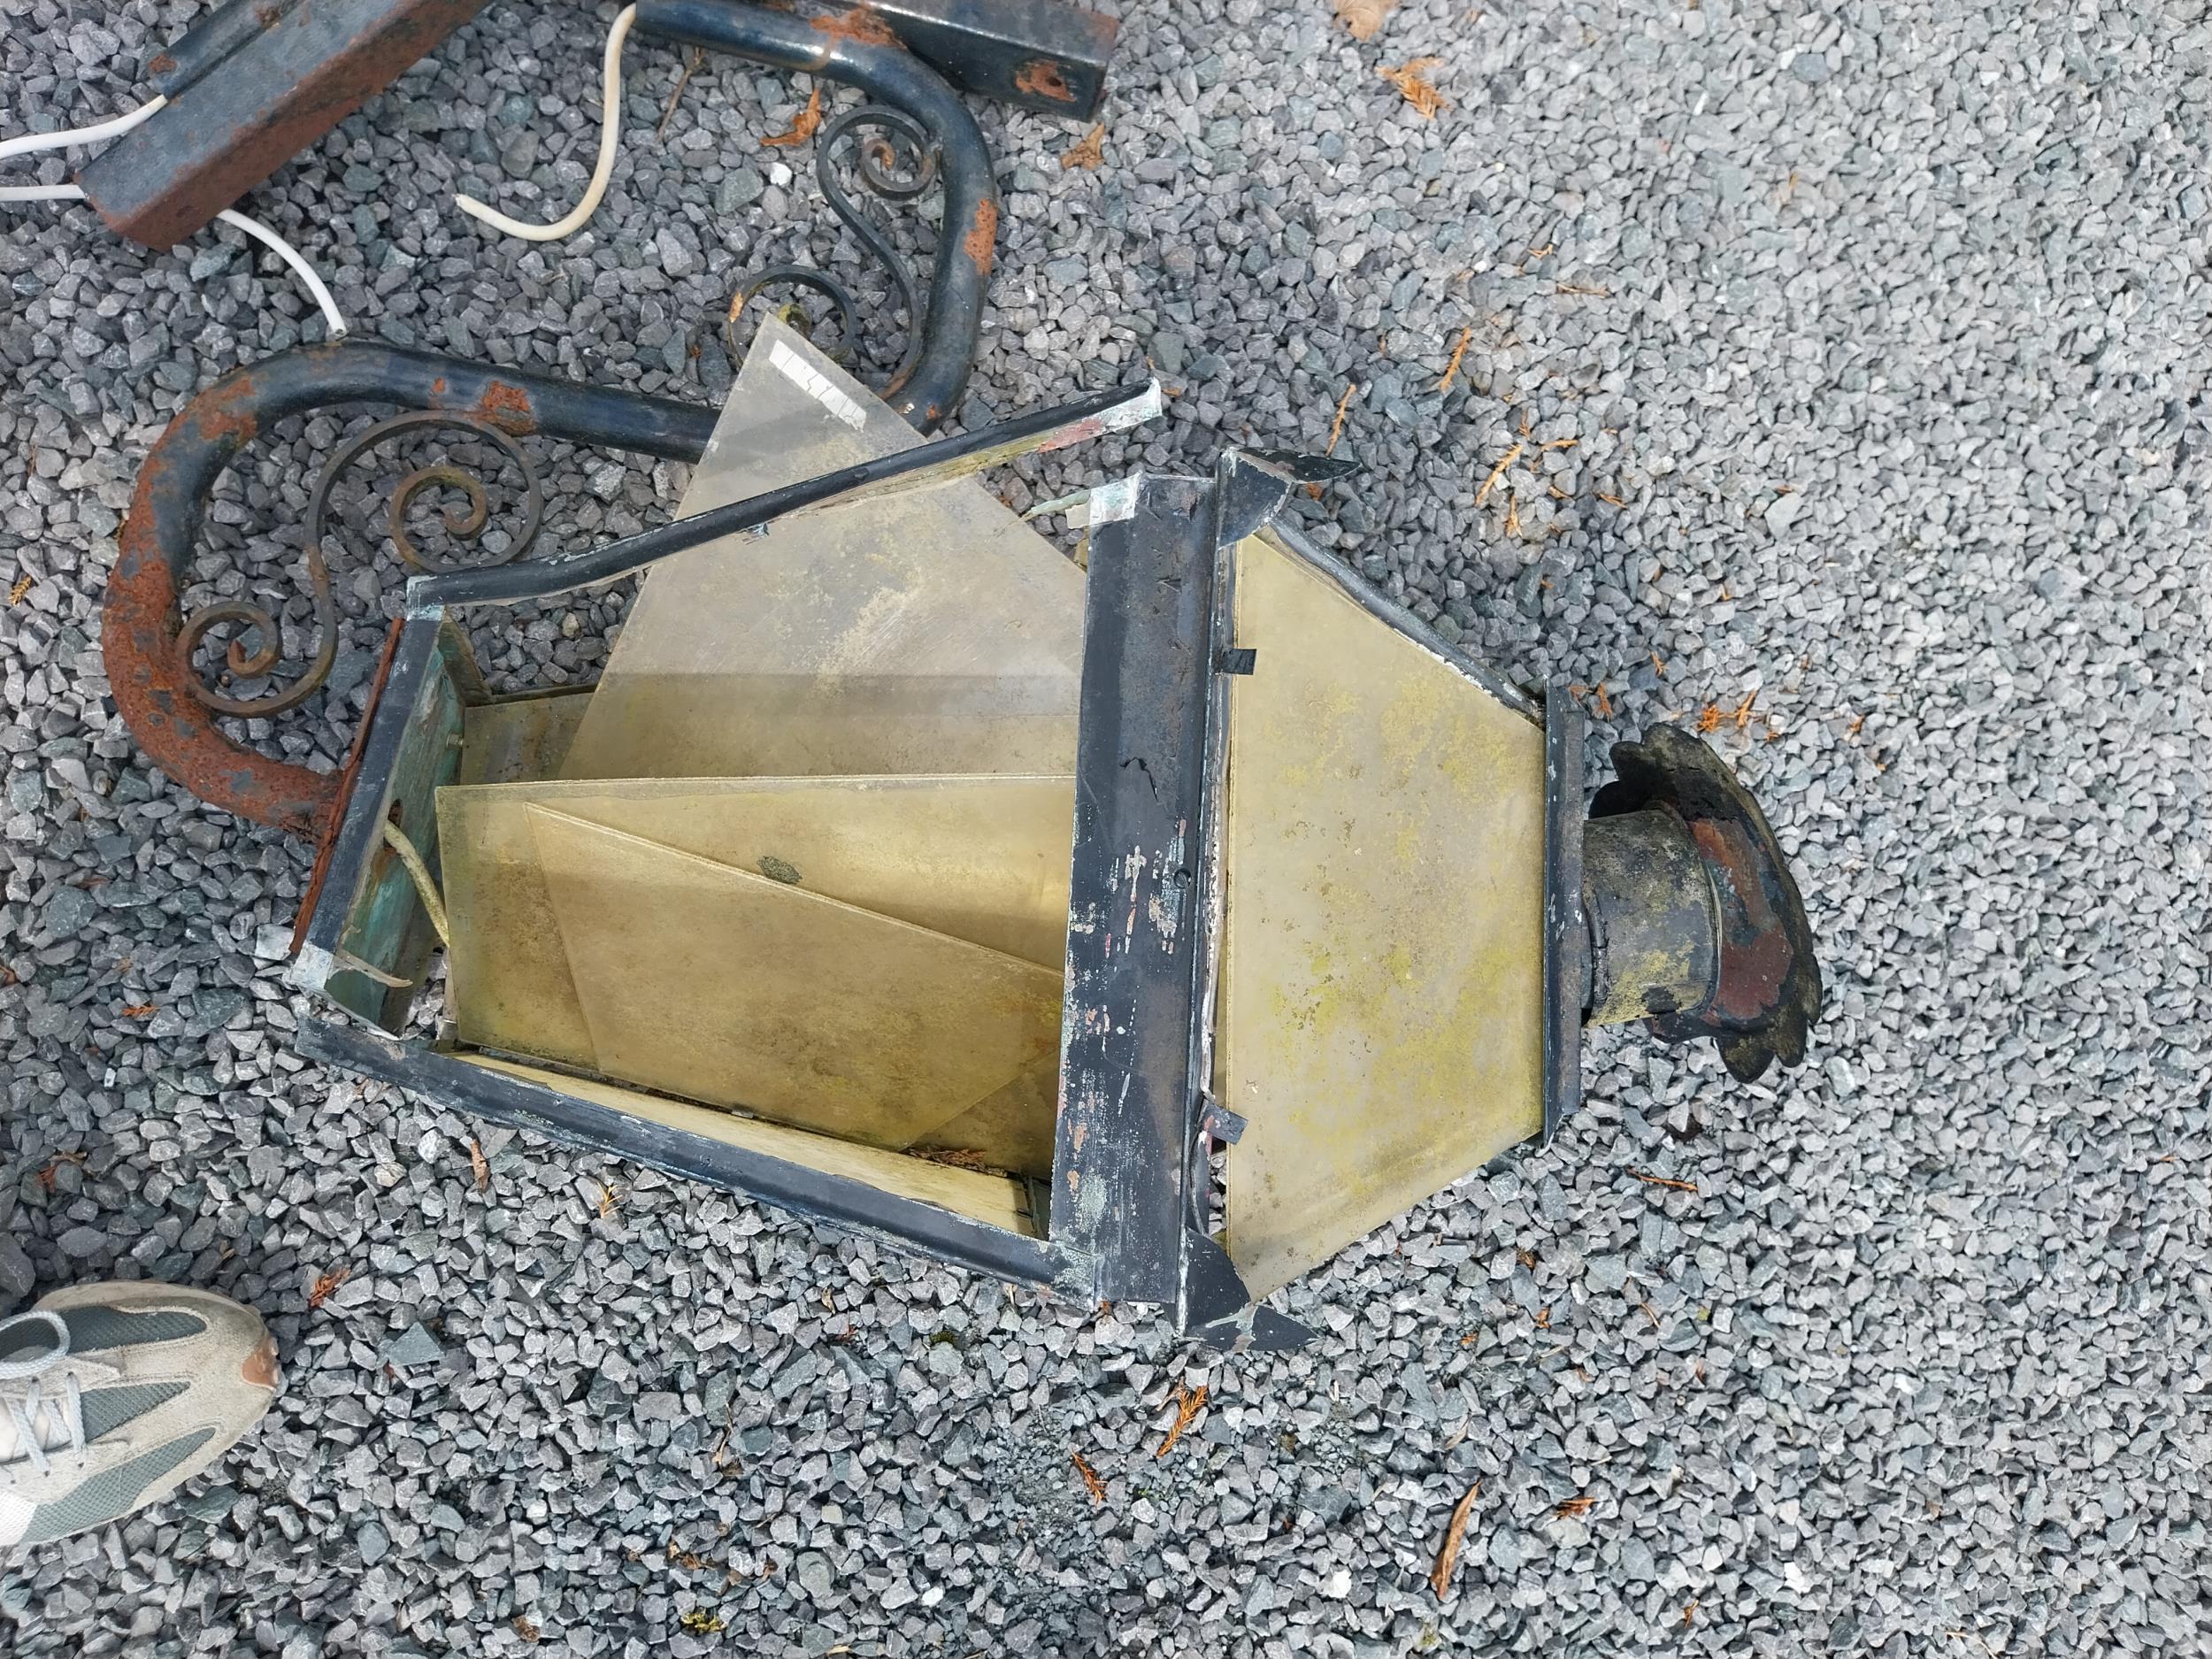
1694 923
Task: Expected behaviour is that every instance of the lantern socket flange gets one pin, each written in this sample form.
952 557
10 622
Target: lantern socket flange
1694 923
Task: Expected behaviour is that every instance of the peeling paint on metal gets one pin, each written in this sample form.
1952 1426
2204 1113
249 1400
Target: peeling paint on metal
1111 503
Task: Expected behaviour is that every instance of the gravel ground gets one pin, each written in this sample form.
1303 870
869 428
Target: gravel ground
1881 333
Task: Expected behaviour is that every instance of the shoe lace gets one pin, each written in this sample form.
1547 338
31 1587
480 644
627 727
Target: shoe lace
64 1413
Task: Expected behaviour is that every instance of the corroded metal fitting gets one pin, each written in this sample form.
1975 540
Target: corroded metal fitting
1694 923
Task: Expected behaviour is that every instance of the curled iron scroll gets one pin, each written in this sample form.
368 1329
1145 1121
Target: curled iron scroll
259 648
890 171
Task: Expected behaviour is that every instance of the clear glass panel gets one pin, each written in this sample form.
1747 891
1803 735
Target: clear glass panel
930 631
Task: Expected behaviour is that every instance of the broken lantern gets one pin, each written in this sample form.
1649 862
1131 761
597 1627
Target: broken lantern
1153 929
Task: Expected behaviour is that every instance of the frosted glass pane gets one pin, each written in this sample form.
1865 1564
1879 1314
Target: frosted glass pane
732 988
1381 1001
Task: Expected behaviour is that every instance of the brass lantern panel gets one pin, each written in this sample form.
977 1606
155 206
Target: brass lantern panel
1380 1014
995 1200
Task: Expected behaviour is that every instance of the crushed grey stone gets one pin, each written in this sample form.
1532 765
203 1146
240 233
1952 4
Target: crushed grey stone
1879 335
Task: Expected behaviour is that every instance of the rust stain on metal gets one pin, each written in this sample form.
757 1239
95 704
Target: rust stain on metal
138 637
509 405
138 633
981 243
160 64
218 419
1755 964
1041 78
856 25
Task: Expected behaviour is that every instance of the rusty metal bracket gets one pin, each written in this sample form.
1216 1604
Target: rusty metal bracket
1043 55
258 81
1695 924
250 87
870 58
158 694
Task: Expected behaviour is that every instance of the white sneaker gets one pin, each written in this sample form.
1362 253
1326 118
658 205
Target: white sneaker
113 1395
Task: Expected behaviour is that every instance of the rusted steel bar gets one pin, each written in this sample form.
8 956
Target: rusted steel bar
259 87
210 41
140 621
860 51
1044 55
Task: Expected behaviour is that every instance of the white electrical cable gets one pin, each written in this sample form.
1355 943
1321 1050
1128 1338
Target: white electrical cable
609 133
298 260
29 144
253 227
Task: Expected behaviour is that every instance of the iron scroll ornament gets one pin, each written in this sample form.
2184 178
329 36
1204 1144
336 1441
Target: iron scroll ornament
877 159
258 649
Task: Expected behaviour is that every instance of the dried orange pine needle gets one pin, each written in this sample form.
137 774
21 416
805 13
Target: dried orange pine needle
1513 516
1336 430
1090 1477
18 587
1425 98
1447 1556
1088 152
1709 718
1336 426
1581 288
479 1165
1854 727
1662 1180
809 122
1497 472
608 1199
1188 1403
1743 710
326 1285
1658 664
138 1011
1689 1613
1574 1506
1459 350
1611 501
1604 703
1543 1318
1560 443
